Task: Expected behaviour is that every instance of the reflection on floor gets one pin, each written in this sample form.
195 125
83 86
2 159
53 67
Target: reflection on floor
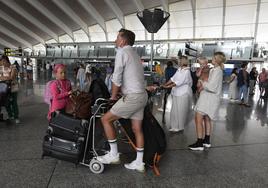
238 157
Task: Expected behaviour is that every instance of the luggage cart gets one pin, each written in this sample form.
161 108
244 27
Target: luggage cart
95 166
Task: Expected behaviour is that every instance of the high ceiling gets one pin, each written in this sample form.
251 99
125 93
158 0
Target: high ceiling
29 22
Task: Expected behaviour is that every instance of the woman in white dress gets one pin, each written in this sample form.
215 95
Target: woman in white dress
208 102
233 90
181 83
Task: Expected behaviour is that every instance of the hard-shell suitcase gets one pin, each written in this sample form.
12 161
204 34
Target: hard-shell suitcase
67 127
62 149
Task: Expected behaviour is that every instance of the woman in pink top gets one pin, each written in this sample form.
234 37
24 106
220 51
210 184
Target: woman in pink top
60 89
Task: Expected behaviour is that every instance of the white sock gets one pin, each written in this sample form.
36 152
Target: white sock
113 146
139 157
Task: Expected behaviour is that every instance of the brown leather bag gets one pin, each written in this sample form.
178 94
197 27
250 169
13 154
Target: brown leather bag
79 105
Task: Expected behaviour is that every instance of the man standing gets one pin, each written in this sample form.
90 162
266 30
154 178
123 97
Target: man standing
128 77
243 84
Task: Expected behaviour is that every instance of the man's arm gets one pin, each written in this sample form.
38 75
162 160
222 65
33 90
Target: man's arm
115 91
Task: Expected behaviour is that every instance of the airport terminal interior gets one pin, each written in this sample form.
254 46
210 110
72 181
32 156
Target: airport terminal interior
38 37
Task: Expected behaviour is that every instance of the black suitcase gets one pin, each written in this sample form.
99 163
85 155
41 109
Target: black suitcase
63 149
67 127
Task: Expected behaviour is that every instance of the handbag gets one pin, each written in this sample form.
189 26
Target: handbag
14 86
79 105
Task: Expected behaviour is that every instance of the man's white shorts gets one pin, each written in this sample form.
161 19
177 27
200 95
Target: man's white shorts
130 106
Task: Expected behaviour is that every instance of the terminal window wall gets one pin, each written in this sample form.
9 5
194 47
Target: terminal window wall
181 20
65 39
39 50
113 26
133 23
263 22
80 36
96 34
240 18
208 18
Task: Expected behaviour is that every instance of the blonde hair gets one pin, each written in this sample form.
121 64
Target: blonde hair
202 59
220 59
184 62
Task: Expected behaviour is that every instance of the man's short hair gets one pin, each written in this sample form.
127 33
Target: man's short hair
128 35
244 64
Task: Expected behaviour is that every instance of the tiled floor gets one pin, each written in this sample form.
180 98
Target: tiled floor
238 157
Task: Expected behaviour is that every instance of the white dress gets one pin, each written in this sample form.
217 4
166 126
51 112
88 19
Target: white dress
233 90
209 100
181 98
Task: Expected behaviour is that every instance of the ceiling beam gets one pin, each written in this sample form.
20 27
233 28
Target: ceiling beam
15 37
193 5
139 5
117 11
257 19
7 44
18 25
67 10
41 8
223 18
164 4
94 13
16 8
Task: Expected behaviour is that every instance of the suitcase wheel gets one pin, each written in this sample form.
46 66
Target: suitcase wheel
96 166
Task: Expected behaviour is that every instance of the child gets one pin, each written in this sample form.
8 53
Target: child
203 72
60 90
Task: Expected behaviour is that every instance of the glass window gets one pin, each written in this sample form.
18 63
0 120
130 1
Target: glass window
245 14
208 32
208 3
96 33
245 30
263 17
51 41
80 36
133 23
262 33
65 38
239 2
181 33
179 6
39 50
206 17
162 33
181 19
113 26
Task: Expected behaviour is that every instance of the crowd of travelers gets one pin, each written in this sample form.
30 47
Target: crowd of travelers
127 79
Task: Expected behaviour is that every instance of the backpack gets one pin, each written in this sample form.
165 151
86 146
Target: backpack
47 93
98 89
154 140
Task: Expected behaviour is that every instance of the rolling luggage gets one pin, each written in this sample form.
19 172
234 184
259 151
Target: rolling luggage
63 149
67 127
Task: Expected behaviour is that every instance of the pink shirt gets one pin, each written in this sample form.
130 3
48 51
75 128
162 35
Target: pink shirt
60 97
263 76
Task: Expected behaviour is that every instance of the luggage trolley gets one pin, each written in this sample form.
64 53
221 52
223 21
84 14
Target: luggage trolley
98 109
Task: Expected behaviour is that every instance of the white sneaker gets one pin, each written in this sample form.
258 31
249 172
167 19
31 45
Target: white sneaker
174 130
108 158
17 121
135 166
